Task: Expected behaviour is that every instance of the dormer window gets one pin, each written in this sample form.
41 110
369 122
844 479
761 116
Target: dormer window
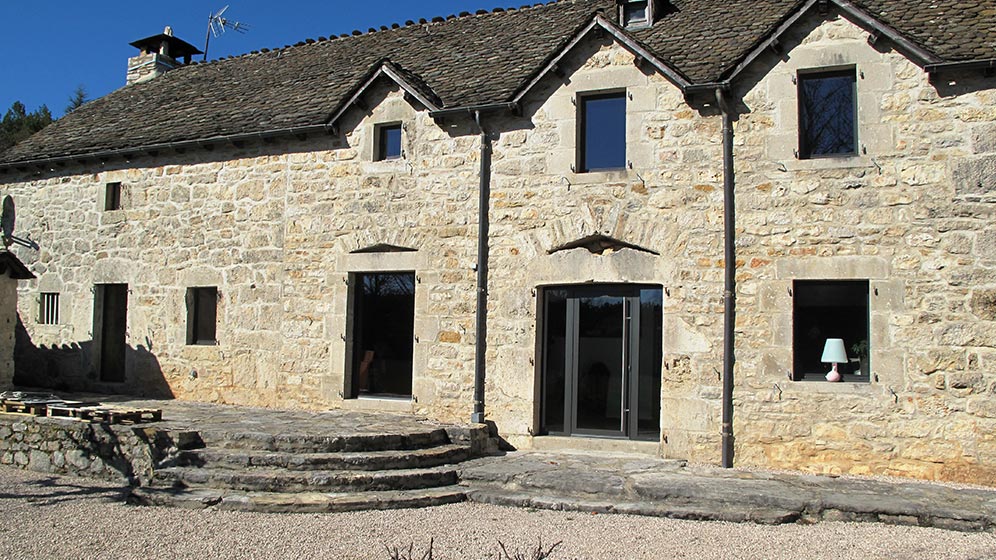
636 14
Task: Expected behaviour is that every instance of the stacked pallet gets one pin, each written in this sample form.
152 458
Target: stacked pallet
41 404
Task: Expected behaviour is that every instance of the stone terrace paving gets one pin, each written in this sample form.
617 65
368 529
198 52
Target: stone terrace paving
617 483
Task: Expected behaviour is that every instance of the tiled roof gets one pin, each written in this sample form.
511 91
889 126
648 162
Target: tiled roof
462 61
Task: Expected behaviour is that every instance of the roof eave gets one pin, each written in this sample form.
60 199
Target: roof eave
383 69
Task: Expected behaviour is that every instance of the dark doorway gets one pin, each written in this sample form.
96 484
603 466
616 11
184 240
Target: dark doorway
110 322
602 361
383 331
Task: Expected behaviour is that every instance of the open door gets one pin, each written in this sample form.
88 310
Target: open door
382 329
110 323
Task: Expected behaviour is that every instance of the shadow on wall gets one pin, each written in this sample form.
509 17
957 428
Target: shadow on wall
70 367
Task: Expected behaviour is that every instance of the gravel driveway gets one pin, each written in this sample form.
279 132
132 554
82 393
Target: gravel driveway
46 516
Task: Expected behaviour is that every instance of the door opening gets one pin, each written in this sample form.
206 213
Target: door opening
382 325
110 318
601 367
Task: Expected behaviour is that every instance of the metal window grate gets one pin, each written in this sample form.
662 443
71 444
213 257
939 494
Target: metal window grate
48 313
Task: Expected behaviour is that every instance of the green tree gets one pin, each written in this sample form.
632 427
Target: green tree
77 99
18 124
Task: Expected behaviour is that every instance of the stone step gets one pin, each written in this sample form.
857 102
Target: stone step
299 502
301 443
706 511
282 480
367 461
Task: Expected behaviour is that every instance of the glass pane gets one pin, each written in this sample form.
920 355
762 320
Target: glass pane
554 358
827 114
384 332
600 363
207 314
635 13
649 374
831 309
390 142
604 139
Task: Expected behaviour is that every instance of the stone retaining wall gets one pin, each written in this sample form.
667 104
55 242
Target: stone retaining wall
52 445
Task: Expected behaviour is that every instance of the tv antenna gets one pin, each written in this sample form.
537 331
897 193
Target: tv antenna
217 24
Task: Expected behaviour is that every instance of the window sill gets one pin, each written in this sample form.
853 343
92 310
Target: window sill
832 388
843 162
601 176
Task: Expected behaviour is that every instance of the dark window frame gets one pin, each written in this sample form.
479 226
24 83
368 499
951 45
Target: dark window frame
48 308
582 163
806 149
382 151
202 316
856 332
112 197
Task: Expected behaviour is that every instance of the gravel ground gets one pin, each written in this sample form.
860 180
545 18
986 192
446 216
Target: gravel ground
46 516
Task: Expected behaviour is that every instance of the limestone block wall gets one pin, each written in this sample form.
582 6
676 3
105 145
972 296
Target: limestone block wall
668 201
8 322
913 215
273 227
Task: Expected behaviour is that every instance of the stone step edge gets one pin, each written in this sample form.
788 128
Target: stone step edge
295 443
295 502
229 458
280 480
735 513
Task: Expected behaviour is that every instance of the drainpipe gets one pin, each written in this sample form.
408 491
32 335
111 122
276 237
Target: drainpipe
484 193
730 271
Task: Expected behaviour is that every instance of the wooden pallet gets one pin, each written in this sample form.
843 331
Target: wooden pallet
108 415
31 408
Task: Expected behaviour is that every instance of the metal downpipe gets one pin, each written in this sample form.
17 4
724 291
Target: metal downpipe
481 346
730 271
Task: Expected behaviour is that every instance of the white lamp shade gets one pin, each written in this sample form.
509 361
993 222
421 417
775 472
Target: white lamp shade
833 352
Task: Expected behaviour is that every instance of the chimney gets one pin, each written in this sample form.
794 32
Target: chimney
159 54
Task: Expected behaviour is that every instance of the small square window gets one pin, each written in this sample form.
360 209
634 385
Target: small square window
112 197
830 309
48 309
602 132
636 14
388 142
202 315
827 114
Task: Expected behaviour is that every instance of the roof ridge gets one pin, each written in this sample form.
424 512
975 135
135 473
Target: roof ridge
435 20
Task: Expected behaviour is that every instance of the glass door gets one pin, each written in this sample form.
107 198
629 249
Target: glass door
601 351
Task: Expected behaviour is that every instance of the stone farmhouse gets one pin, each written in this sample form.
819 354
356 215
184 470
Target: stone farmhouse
617 225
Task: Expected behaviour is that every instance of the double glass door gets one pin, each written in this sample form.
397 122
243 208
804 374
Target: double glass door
602 360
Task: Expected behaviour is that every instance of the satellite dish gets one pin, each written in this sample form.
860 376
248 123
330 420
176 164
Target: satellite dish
7 221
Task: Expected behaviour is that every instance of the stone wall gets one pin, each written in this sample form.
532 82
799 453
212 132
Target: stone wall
8 322
913 215
52 445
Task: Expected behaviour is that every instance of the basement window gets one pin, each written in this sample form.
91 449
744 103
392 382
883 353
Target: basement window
602 132
825 310
388 142
828 114
112 197
202 316
48 308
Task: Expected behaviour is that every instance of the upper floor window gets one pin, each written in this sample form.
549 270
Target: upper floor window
388 142
602 132
112 196
828 114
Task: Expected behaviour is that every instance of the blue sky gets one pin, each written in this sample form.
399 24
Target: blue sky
49 47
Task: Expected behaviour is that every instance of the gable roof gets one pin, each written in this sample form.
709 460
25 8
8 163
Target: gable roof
473 60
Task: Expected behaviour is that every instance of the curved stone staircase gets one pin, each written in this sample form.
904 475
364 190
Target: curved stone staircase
309 473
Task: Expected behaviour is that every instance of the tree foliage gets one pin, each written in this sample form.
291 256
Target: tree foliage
77 99
18 124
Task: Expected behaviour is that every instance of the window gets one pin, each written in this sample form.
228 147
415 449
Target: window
602 126
388 141
827 114
202 315
112 197
829 309
48 310
635 14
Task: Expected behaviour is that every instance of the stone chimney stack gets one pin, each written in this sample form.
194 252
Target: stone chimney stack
159 54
